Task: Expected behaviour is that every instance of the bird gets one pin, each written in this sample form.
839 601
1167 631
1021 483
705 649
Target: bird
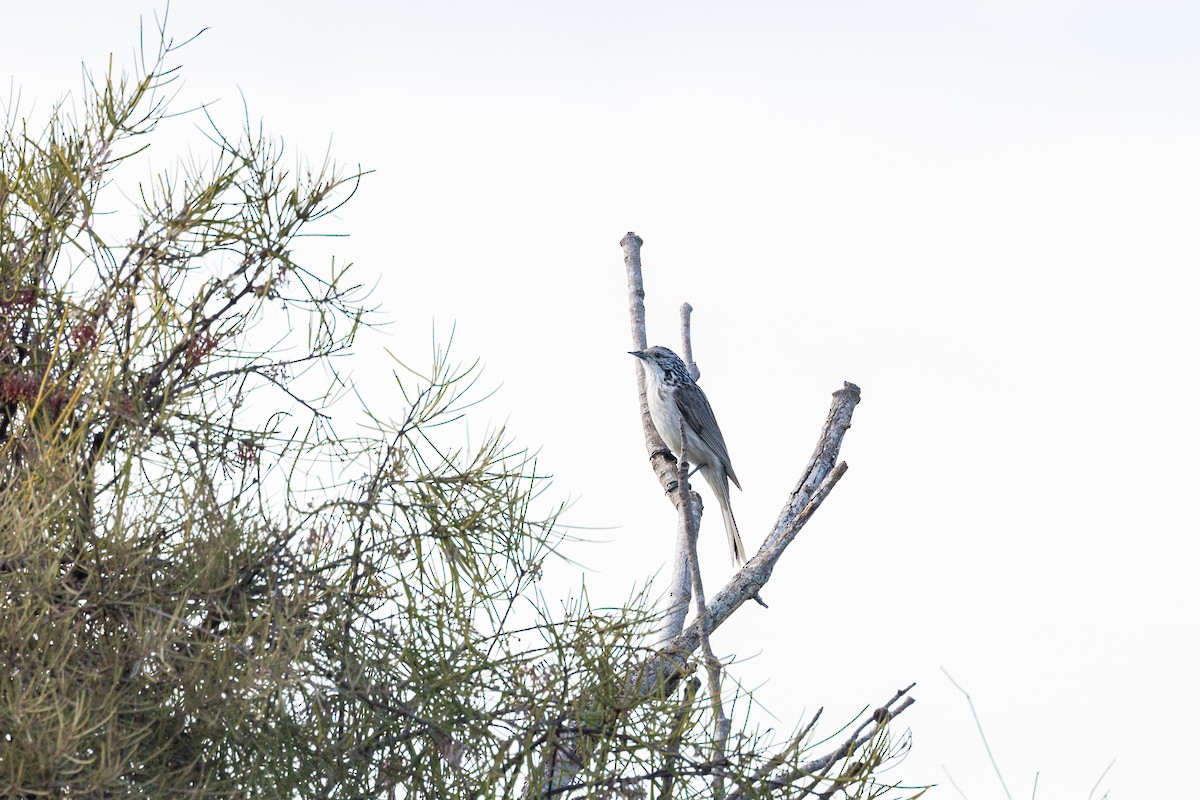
672 396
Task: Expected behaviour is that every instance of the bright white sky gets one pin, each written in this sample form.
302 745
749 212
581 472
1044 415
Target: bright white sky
984 214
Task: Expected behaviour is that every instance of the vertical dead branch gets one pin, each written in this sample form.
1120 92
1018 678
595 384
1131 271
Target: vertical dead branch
685 336
712 666
679 590
632 245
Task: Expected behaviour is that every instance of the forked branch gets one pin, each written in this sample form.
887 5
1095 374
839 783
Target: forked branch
659 673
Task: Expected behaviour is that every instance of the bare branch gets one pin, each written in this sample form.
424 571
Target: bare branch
818 768
979 727
631 243
691 517
1101 778
685 338
821 463
661 461
954 783
679 590
672 751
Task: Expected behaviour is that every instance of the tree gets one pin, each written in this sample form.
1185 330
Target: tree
208 590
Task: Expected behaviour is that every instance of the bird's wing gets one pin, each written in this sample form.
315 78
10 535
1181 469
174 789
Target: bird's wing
698 415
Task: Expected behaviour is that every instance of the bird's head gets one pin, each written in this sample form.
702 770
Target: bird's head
663 364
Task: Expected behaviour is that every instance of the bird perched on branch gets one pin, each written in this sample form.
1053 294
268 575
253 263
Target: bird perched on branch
673 398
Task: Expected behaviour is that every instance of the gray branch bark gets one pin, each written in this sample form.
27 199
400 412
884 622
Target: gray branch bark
679 592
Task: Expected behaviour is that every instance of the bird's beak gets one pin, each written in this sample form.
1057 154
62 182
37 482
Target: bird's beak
638 353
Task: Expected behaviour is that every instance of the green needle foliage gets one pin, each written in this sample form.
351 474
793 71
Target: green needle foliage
205 591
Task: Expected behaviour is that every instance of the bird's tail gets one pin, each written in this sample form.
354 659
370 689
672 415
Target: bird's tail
736 551
721 488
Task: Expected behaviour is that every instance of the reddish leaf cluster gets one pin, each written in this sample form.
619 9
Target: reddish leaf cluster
12 303
19 388
247 453
200 347
83 336
20 299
